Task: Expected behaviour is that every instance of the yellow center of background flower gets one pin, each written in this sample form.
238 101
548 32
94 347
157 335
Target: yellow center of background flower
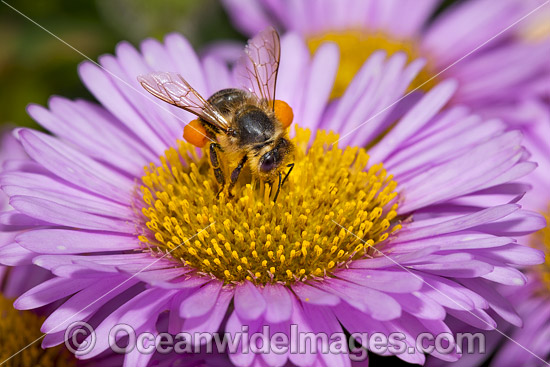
355 48
543 237
251 237
537 29
18 329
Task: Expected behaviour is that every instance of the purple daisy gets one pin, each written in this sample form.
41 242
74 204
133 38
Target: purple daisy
392 238
506 42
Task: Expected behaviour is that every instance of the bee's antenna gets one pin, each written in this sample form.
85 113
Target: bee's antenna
291 165
282 182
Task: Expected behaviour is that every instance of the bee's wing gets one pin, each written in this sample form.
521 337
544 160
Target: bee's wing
258 67
172 88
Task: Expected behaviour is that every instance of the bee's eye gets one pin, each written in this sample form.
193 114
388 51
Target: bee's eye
269 162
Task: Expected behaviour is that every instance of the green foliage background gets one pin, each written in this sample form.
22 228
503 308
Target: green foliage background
34 65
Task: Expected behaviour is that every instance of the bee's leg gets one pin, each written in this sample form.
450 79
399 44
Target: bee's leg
291 165
216 166
236 172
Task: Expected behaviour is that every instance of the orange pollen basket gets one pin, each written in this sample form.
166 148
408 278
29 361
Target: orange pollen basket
195 133
283 112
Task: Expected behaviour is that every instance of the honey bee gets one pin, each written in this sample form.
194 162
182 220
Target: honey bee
246 125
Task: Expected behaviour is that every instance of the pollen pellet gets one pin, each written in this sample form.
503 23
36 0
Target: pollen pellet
283 112
195 133
248 237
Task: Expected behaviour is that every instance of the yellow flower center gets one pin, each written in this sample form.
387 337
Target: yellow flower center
543 237
538 27
250 236
18 329
355 48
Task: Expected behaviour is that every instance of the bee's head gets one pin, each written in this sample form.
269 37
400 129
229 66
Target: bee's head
275 159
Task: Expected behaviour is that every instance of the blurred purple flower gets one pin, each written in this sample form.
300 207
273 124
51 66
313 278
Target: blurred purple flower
509 67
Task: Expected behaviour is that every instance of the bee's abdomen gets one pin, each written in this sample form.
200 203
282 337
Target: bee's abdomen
225 99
